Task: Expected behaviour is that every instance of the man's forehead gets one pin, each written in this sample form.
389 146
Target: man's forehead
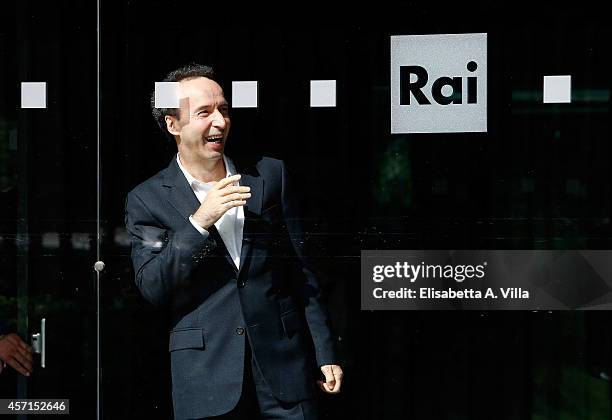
200 88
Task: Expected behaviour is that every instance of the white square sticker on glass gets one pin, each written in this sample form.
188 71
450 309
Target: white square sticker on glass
51 240
244 94
33 94
557 89
166 95
439 83
80 241
322 93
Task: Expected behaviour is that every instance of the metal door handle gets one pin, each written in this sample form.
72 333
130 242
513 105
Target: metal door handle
38 342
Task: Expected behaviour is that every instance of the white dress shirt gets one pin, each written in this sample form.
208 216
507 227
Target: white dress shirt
231 224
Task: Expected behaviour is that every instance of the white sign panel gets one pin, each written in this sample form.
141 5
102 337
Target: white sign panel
439 83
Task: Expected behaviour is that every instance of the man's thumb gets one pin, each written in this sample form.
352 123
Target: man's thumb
330 380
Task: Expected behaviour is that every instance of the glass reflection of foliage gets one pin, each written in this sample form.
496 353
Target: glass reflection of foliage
562 384
41 306
393 185
577 395
44 305
568 234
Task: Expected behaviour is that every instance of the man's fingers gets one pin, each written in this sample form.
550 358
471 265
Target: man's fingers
14 339
329 377
330 380
25 353
21 358
323 386
333 379
236 197
227 181
337 371
14 363
235 203
328 389
23 361
19 343
231 189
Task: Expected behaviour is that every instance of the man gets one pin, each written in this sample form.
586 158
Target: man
218 243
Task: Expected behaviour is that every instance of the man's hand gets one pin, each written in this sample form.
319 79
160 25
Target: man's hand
16 353
333 379
220 198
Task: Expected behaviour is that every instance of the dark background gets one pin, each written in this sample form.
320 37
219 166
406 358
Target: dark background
538 179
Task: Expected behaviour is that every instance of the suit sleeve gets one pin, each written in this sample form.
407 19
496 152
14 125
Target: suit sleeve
163 260
315 311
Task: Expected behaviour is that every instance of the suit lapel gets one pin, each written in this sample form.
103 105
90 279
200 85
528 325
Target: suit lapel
182 197
252 208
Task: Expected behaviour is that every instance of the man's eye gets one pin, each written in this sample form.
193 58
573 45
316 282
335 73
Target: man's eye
203 113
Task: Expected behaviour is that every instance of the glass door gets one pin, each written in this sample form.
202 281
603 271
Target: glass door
48 201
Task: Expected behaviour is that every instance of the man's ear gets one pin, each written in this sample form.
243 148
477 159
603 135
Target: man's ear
172 125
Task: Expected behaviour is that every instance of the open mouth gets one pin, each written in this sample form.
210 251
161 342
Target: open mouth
214 139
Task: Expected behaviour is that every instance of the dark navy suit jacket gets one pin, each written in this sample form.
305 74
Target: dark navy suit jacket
273 299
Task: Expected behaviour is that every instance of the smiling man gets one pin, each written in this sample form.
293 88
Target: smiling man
218 243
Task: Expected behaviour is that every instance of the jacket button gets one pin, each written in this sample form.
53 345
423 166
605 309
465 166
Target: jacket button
239 330
241 283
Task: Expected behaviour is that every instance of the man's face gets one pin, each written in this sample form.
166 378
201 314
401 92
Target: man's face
204 121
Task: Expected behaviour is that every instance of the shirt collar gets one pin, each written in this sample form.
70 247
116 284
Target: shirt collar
229 168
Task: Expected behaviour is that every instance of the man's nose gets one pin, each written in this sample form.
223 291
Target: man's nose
218 119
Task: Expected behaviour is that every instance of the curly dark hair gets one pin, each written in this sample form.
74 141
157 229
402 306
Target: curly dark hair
186 72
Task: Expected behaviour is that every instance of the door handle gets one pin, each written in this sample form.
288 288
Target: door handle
38 342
